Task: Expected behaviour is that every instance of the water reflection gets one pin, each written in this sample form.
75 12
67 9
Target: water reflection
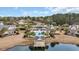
38 48
19 48
50 47
77 45
53 44
63 47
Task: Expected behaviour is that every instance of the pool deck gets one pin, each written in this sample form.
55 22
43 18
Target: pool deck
11 41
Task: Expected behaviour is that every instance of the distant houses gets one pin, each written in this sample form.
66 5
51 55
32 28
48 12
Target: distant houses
21 22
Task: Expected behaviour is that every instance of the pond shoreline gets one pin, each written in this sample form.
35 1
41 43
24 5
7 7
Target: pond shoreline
12 41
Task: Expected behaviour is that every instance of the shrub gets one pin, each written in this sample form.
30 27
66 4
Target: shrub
52 33
32 33
44 33
26 34
66 31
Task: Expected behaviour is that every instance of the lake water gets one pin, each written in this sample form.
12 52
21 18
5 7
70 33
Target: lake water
53 47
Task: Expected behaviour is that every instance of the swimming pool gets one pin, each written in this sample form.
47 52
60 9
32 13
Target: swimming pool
39 35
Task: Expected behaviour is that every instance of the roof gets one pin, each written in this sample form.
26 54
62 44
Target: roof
7 26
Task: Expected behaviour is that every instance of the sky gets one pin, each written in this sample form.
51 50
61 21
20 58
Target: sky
36 11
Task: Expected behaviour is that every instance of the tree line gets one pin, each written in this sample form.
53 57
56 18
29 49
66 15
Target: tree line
56 19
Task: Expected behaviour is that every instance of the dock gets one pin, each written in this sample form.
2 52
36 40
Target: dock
40 43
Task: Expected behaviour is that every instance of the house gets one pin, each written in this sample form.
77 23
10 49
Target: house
1 25
10 29
73 29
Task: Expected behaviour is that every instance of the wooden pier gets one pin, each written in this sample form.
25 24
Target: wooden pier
40 43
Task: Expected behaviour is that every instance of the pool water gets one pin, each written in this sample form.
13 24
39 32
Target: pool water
39 35
53 47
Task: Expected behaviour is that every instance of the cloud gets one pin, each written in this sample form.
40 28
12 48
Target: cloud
25 13
16 8
35 13
2 15
41 12
56 10
45 12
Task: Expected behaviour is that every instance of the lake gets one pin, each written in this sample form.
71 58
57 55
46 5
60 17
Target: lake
51 47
